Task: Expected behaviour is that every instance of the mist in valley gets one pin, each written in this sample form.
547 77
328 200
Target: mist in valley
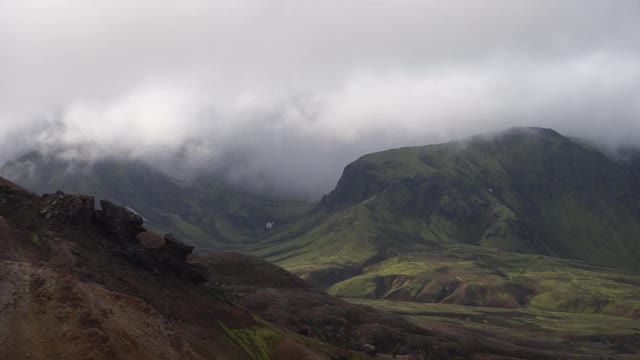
281 95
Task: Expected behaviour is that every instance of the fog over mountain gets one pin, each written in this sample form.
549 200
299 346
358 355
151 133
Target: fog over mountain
284 93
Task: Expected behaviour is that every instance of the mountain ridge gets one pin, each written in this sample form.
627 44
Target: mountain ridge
88 283
417 231
94 283
526 190
205 211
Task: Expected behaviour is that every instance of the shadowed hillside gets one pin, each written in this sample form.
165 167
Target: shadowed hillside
491 222
95 284
205 211
78 283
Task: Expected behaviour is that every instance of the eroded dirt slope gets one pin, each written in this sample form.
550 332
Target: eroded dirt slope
79 283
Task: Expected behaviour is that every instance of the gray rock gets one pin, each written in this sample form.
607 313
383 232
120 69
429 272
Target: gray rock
68 208
119 221
369 350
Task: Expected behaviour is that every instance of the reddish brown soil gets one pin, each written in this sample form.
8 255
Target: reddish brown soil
76 283
76 291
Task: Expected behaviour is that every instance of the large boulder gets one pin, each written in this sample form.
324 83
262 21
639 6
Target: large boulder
369 350
122 223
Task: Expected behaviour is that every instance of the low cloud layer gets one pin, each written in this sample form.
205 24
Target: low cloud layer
285 93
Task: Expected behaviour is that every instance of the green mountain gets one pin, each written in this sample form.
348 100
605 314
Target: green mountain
526 218
205 211
484 221
521 244
91 283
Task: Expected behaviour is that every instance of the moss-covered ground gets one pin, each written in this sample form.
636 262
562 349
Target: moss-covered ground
478 276
555 334
256 342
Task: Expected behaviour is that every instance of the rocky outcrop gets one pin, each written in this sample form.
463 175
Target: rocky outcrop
146 249
369 350
129 240
74 209
175 249
172 258
120 222
167 258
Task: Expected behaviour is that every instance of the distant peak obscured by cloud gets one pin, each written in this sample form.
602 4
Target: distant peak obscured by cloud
287 92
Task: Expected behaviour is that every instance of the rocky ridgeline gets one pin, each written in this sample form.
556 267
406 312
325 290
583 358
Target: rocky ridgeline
125 230
120 222
75 209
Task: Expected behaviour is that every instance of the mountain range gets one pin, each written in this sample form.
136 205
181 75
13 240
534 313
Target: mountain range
439 250
204 211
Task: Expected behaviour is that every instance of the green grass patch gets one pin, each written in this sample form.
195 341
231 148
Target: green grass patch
556 334
479 276
256 342
35 239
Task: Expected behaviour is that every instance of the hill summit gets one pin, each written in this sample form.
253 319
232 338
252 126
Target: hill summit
524 190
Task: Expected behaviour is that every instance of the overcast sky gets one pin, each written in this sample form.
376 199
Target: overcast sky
287 92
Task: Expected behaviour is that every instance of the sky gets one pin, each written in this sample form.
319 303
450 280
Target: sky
282 94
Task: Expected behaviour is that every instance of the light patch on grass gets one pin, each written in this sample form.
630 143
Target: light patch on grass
35 239
256 342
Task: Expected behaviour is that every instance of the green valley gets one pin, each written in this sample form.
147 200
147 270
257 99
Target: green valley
525 240
205 211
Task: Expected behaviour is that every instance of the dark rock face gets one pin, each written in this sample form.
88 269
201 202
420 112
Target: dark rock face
358 183
76 209
161 255
120 222
170 258
166 257
175 249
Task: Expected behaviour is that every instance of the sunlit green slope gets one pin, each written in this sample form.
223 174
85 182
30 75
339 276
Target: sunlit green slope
526 190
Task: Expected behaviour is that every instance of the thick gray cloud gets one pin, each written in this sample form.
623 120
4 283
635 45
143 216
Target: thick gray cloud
287 92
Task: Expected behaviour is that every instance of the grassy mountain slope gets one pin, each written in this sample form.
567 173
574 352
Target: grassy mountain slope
551 335
526 190
489 221
206 212
478 276
281 298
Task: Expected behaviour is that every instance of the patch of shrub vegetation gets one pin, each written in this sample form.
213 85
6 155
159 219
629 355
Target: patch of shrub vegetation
256 342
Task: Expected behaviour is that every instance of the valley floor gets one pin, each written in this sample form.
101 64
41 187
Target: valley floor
526 331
